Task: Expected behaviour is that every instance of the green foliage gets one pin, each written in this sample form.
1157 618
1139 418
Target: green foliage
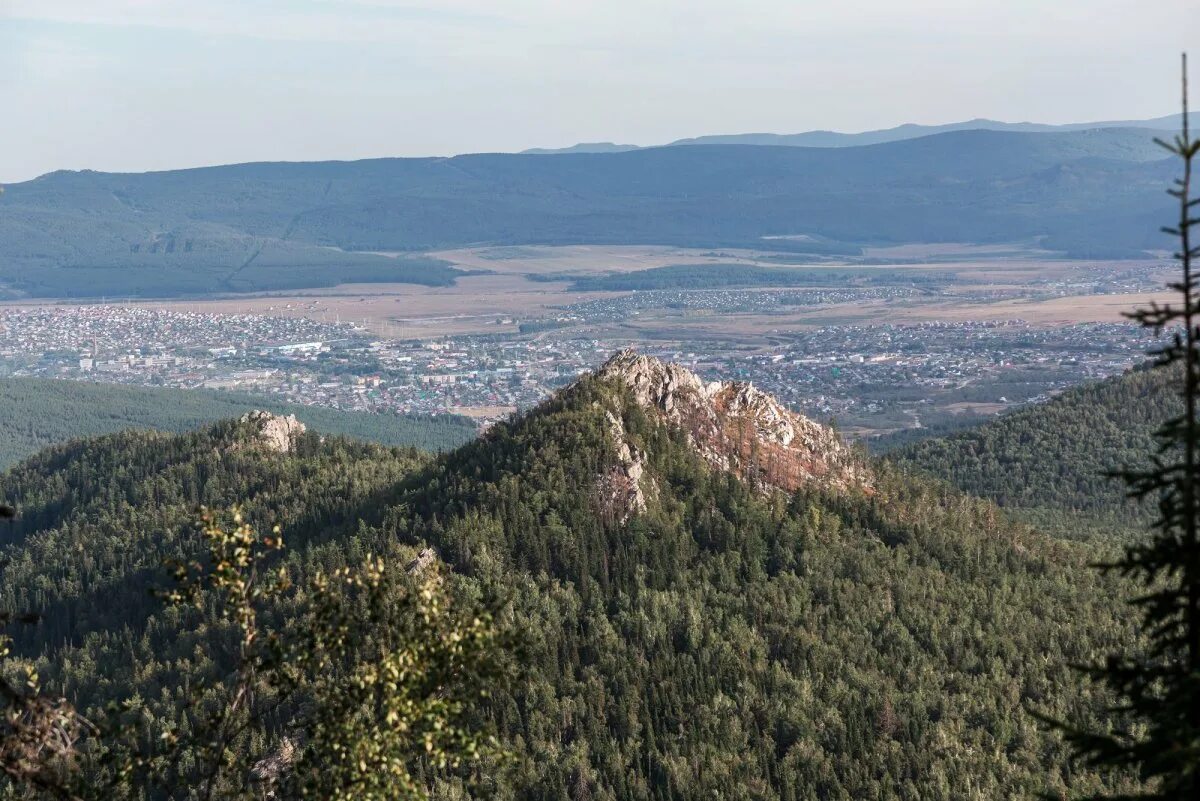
1050 463
723 643
359 694
207 750
394 675
739 646
378 671
37 734
35 413
1158 731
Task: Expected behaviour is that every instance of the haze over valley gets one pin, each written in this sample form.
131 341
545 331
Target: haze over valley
476 285
412 401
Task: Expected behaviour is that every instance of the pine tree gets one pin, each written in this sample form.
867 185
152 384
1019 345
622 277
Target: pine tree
1159 686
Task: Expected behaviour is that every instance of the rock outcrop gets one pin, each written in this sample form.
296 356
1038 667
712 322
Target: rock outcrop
623 489
273 431
424 559
267 772
736 427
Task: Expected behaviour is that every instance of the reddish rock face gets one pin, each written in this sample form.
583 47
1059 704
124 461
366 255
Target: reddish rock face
736 427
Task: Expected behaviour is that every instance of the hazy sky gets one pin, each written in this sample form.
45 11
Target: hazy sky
157 84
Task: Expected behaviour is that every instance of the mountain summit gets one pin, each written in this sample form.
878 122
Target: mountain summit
723 642
738 428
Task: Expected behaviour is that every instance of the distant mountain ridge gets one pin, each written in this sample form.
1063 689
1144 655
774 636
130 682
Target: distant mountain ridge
823 138
582 147
273 226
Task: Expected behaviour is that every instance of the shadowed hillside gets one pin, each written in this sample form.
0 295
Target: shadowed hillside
277 226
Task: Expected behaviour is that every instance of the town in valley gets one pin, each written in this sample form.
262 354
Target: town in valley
874 359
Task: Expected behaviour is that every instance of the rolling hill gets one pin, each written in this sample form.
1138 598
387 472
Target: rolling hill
714 597
899 133
278 226
1048 463
36 413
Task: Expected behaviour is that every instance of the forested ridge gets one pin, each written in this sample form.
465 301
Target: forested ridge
38 412
283 226
1051 463
721 276
722 643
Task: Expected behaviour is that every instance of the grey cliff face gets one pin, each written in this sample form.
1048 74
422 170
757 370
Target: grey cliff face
274 432
736 427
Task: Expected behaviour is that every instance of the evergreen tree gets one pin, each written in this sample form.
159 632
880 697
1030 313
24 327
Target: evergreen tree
1160 685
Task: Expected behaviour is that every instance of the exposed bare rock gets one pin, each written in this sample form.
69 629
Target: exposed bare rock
424 559
273 431
267 772
736 427
622 489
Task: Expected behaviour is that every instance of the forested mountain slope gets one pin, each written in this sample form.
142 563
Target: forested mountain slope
1158 125
913 131
36 413
275 226
1049 462
869 635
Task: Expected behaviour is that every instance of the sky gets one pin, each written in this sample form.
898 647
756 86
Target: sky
133 85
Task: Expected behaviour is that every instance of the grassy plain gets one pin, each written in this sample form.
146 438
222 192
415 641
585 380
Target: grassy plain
584 260
477 304
515 292
510 287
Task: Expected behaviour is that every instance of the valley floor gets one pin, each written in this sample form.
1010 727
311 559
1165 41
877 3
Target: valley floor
902 338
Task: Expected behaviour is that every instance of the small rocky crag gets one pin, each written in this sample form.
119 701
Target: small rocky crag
734 427
274 431
424 559
624 488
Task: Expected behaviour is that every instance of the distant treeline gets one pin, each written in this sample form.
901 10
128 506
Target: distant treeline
36 413
270 269
722 276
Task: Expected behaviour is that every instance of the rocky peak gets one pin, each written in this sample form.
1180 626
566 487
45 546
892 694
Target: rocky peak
736 427
273 431
655 383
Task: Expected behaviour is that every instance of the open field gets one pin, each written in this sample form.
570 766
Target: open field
966 407
751 329
1002 264
482 412
477 304
1055 311
945 338
497 304
590 259
958 282
956 250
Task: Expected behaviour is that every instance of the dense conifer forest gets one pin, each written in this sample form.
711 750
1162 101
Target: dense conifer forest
37 412
1049 463
724 642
